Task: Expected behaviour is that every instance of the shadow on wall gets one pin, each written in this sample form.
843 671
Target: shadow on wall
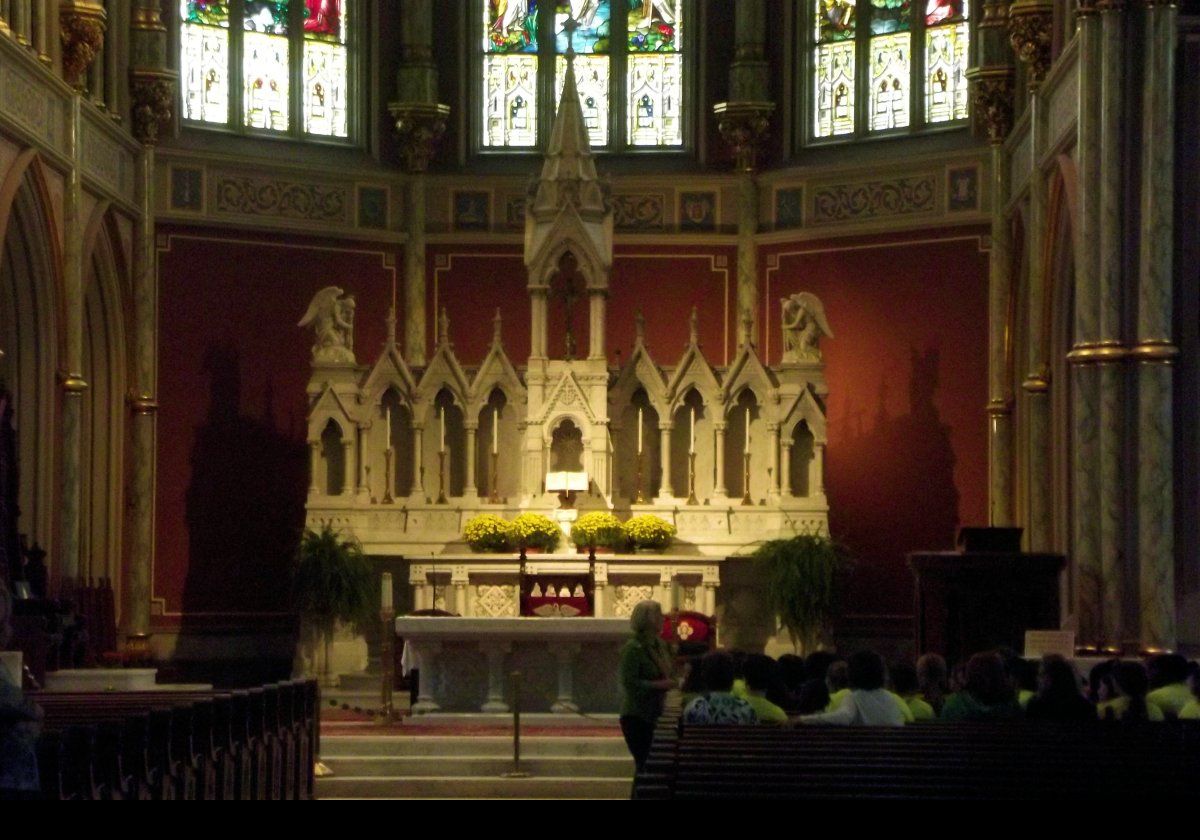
245 513
891 490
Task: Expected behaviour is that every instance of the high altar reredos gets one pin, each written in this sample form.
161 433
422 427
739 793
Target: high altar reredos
402 457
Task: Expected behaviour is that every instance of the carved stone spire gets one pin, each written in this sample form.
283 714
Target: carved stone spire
496 327
639 326
694 328
444 329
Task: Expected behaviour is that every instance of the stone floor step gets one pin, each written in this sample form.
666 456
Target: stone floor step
338 746
423 766
471 787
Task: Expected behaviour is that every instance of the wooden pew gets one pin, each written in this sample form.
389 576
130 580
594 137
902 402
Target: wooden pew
1016 760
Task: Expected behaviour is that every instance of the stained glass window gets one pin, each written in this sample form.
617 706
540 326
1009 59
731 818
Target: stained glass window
646 37
238 65
886 37
326 100
204 60
655 73
946 36
510 71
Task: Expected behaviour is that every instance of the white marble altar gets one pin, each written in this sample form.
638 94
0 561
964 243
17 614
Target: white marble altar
567 665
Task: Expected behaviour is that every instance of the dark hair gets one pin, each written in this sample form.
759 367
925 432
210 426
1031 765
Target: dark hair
986 679
762 672
1166 669
904 678
739 663
1059 680
791 671
1100 674
693 683
837 675
865 671
1131 679
817 664
1021 671
717 668
1194 676
931 671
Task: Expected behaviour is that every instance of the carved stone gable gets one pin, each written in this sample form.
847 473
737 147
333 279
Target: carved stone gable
568 396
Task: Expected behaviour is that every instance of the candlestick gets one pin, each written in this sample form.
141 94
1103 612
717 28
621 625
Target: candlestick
389 425
441 497
639 431
746 500
692 441
747 450
494 496
442 421
692 500
385 591
495 430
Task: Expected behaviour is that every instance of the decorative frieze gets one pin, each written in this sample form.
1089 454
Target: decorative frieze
28 101
639 211
248 195
863 200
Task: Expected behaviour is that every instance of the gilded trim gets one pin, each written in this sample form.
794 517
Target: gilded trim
73 383
1157 350
143 403
1098 352
999 408
1037 382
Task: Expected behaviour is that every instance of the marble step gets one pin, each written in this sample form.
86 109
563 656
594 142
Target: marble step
598 767
344 746
471 787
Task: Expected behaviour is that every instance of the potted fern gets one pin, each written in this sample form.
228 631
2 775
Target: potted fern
802 579
333 586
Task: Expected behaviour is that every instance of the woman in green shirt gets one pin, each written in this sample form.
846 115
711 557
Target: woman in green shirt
646 668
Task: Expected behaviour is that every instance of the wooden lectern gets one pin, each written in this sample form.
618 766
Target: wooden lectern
968 601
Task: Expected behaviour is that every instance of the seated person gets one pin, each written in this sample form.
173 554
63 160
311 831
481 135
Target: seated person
907 687
20 724
987 692
761 677
1191 711
1100 682
792 676
1022 673
1059 697
718 705
868 703
814 694
837 682
1123 688
693 681
933 680
1168 683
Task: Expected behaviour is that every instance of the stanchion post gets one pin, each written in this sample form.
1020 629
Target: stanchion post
516 773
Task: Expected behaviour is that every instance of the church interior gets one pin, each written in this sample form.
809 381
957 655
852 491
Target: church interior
913 281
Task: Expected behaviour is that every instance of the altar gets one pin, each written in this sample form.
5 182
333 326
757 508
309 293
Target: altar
566 665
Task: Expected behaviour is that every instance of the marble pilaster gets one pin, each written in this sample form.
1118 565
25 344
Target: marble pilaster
72 381
1155 349
414 272
1000 456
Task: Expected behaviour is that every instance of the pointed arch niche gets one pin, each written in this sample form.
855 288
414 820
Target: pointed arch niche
735 447
625 449
103 420
499 428
681 440
395 422
567 447
333 458
800 479
446 408
30 337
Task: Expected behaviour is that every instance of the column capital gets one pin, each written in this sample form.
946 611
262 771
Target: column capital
81 28
992 91
419 128
1031 31
742 125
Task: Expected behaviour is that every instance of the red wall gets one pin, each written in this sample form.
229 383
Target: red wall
907 447
907 371
233 365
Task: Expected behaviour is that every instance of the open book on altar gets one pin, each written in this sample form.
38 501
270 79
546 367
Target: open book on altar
565 482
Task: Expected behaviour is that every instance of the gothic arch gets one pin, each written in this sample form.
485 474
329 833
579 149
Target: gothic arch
32 336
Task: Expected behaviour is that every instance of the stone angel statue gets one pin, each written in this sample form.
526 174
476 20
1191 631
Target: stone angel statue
804 325
331 315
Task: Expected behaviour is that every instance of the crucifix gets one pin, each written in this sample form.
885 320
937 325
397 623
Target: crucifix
569 26
568 287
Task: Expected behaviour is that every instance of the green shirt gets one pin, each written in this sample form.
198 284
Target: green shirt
920 709
962 706
1171 698
1120 707
1191 711
638 668
767 711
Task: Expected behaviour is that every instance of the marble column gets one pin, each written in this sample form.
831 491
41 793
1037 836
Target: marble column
419 492
470 490
597 301
600 590
785 470
664 456
747 253
72 380
537 323
1155 349
1085 378
719 490
349 468
363 483
496 652
816 471
138 584
428 654
1000 455
314 467
414 271
1111 277
776 489
564 656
